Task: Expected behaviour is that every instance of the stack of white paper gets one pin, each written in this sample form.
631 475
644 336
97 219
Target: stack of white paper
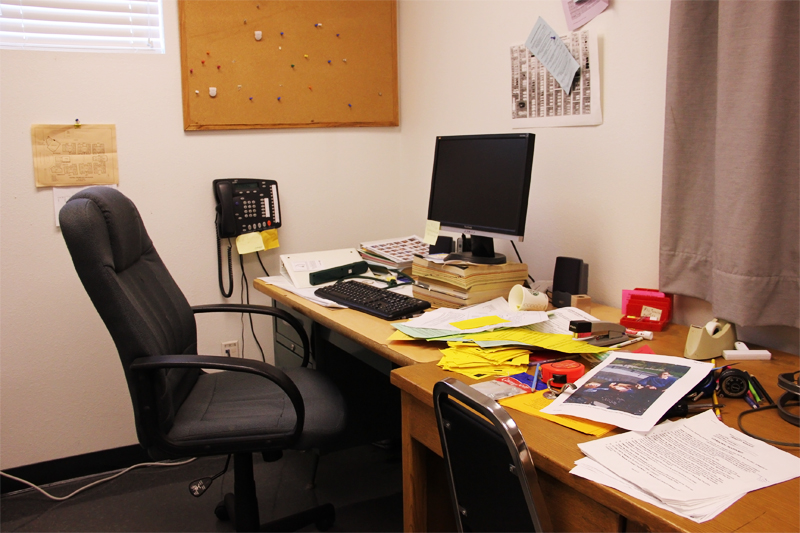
696 467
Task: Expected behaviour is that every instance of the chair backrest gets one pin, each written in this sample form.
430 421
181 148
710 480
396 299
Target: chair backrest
492 479
142 307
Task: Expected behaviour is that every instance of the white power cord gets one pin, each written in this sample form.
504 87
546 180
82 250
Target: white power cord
61 498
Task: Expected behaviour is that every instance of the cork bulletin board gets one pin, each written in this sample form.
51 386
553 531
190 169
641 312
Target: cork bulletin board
288 63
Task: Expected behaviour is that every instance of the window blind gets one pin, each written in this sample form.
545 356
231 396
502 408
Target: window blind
82 25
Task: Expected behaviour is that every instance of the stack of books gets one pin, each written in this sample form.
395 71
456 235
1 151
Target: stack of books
458 285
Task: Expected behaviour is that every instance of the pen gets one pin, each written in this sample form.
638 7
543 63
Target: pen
714 399
761 390
557 359
626 343
752 389
750 402
536 377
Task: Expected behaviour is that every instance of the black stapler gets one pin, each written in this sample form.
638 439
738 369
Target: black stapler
601 333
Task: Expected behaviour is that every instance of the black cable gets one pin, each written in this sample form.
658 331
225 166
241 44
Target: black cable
226 294
769 441
258 254
246 291
519 258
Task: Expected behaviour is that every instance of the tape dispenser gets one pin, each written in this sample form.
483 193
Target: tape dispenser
706 342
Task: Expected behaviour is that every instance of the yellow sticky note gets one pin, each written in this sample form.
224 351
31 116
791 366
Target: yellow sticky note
270 239
431 232
479 322
249 242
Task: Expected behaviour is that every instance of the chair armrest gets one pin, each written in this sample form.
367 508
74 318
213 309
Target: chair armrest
143 366
262 310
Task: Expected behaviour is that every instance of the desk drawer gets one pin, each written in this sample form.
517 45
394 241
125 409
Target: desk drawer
288 347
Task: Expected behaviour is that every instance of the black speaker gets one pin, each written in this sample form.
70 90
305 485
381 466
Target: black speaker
570 277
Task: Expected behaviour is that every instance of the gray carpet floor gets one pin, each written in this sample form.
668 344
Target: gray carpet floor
363 483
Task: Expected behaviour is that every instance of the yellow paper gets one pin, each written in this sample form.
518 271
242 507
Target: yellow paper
431 232
548 341
270 239
249 243
479 322
533 404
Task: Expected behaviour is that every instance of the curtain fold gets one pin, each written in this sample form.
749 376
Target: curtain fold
730 218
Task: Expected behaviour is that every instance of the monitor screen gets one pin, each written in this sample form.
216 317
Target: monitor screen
481 183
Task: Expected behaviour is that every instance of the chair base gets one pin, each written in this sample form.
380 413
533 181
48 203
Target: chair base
242 507
323 517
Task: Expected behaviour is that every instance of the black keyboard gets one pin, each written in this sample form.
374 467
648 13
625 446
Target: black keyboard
376 301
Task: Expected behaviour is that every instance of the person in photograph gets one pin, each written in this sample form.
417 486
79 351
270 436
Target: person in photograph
660 382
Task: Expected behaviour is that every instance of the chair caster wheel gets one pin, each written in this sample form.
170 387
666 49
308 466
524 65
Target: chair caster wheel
222 512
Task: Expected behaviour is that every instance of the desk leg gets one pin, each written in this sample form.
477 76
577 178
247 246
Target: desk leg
426 498
415 484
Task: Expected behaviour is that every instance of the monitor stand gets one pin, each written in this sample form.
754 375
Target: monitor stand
482 252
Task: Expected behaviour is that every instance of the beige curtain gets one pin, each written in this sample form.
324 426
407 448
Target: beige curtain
730 219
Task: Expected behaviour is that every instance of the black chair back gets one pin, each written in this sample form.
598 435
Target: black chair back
141 305
492 479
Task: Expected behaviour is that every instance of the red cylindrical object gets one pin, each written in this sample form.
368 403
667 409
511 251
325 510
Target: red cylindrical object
570 369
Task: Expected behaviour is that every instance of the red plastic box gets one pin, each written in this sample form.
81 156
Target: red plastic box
646 309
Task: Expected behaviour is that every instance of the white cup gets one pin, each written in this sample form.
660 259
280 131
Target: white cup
522 299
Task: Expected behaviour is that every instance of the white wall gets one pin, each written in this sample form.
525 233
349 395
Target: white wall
596 194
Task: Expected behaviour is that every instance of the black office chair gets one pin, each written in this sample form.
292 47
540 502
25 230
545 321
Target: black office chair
492 479
180 410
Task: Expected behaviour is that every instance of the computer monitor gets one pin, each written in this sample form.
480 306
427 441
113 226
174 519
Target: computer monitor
480 187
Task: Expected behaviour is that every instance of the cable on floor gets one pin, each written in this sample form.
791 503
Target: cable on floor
118 474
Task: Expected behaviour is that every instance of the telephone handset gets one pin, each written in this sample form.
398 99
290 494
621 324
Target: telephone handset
244 205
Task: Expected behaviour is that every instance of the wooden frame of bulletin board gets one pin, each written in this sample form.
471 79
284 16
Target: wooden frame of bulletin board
288 63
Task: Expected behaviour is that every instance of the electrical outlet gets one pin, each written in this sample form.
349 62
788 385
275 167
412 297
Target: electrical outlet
230 348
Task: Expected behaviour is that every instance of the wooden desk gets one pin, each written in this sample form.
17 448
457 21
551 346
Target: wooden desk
575 504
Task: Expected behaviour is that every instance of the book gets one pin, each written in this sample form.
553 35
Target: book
469 277
455 300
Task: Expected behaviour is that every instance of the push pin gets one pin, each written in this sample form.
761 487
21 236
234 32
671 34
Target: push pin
344 60
197 93
77 123
329 61
219 67
208 53
350 106
309 88
317 25
203 61
191 71
281 34
251 98
306 56
292 65
279 98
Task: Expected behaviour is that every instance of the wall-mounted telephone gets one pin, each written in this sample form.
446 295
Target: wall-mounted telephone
244 205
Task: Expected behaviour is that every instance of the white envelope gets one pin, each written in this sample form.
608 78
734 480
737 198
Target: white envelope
297 267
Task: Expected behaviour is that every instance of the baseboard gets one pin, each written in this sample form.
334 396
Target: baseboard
74 467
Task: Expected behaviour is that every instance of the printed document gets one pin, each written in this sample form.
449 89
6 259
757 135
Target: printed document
723 464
